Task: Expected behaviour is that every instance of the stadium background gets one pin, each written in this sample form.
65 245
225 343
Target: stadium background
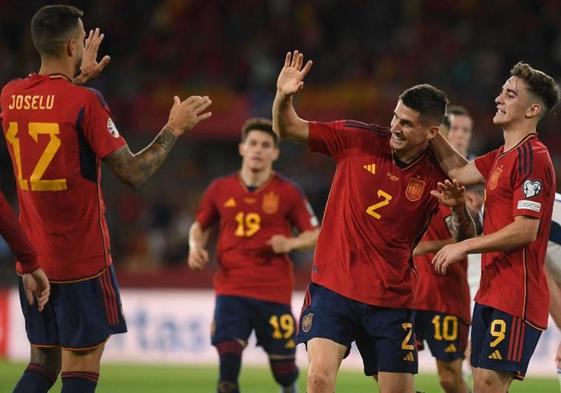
365 54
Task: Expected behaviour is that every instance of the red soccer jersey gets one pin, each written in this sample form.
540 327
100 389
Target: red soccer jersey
519 182
248 265
435 292
376 212
57 133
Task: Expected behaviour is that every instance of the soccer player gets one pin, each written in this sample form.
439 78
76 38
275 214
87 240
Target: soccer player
35 285
57 135
256 210
553 269
442 303
380 203
513 299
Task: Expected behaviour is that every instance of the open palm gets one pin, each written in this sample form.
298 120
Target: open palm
291 77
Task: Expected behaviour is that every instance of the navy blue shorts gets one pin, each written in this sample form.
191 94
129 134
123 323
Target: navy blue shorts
235 317
384 336
79 315
445 334
501 342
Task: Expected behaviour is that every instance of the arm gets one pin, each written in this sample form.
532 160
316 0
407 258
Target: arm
135 169
286 122
523 230
555 305
430 246
198 239
35 282
304 241
453 163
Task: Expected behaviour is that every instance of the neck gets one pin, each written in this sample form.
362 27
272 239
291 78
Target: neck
255 178
56 66
409 156
513 135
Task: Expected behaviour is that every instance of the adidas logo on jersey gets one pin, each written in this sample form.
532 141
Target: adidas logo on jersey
290 344
230 203
496 355
409 357
451 348
370 168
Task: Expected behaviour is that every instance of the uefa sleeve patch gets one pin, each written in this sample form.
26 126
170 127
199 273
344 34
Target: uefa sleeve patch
531 188
112 128
529 205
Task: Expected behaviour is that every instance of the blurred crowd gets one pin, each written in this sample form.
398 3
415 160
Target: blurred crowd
365 53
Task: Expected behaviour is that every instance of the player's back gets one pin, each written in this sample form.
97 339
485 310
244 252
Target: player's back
56 134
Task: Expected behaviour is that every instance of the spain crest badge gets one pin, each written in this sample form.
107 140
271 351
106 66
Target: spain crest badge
414 189
270 203
307 322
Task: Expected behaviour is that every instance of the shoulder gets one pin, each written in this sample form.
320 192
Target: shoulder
92 94
530 155
372 129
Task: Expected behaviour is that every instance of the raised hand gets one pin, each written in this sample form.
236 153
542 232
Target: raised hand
291 77
184 115
198 259
90 67
36 287
450 193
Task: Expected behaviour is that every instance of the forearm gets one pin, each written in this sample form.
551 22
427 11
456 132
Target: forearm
430 246
135 169
286 122
449 158
16 238
198 237
461 224
305 240
555 304
512 236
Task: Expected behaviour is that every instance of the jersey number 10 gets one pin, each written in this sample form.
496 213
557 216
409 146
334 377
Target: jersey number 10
36 180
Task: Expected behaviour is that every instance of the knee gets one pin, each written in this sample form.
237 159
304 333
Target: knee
321 379
285 372
451 378
49 358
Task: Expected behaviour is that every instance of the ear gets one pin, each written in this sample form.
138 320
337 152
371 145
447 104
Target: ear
534 110
432 131
241 148
71 47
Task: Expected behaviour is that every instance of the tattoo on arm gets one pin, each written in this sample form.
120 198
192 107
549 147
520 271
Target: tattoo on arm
135 169
460 224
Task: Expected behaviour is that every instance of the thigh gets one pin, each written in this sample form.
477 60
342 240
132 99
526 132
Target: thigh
232 320
386 341
275 328
446 336
89 311
326 314
41 327
507 344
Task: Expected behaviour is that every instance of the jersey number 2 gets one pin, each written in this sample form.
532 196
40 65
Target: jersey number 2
386 198
36 179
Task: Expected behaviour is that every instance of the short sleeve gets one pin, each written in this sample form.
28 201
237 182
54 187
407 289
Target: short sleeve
302 215
334 138
98 127
208 213
485 162
533 184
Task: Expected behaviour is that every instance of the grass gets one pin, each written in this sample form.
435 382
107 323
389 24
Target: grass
126 378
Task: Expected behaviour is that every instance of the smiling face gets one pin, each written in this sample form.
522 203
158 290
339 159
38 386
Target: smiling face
513 103
258 151
410 135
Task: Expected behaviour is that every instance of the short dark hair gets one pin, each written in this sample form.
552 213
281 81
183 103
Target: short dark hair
259 124
429 101
539 83
457 110
50 27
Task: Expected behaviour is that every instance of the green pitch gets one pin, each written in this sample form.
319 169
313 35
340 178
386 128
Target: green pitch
119 378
